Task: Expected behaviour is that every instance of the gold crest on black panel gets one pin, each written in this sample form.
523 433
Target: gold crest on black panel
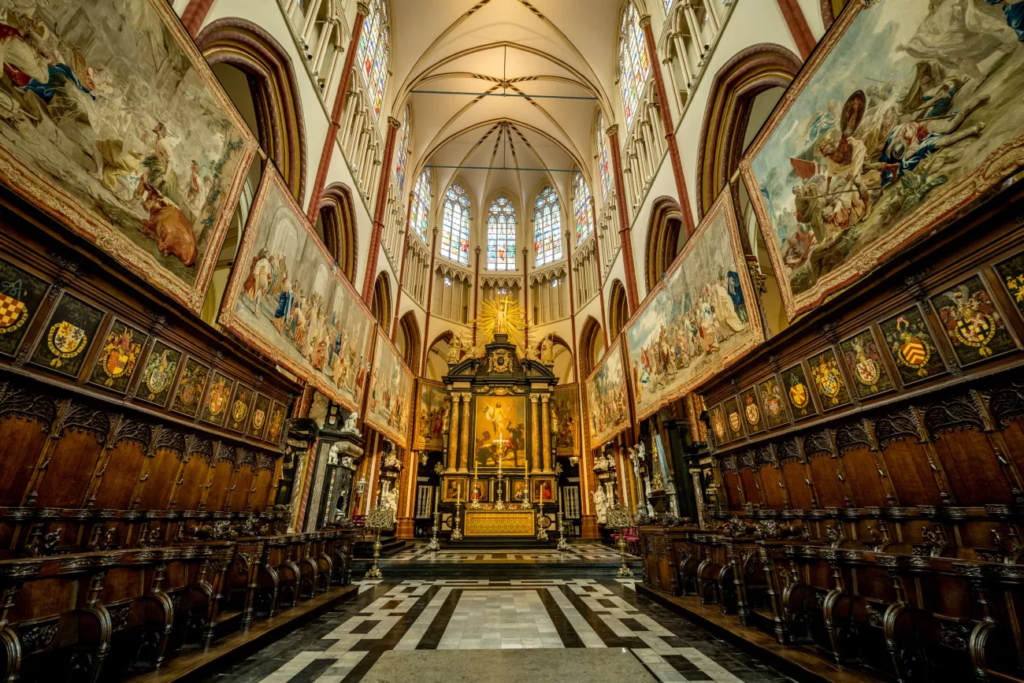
973 324
69 334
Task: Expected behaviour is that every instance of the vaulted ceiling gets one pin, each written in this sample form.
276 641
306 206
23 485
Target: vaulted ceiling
530 77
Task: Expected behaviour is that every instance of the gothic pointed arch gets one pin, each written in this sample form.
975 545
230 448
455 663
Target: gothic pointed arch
618 309
665 239
591 346
272 85
722 141
338 219
408 338
380 305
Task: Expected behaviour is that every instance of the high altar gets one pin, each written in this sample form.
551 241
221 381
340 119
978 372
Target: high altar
499 459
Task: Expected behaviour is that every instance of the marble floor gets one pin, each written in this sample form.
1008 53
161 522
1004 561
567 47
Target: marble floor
577 553
343 645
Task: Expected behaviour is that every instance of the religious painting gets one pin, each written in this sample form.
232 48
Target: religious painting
543 491
391 393
828 380
520 490
696 321
565 409
190 388
499 432
753 415
912 346
454 489
289 299
1010 271
260 417
606 396
974 327
864 361
68 336
218 399
906 113
798 393
431 416
143 156
774 402
733 419
275 423
240 408
716 416
157 378
21 293
121 352
479 491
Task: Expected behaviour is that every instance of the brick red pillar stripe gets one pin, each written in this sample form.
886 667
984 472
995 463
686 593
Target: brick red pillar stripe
600 266
401 268
798 27
668 125
378 212
430 304
336 113
194 15
572 307
476 293
632 298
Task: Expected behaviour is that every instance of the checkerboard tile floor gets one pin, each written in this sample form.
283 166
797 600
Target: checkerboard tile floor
342 645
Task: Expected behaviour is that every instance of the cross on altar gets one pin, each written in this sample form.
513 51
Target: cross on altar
500 444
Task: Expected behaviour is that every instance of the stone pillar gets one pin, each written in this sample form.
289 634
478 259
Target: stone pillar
626 242
464 441
534 434
453 433
407 496
545 412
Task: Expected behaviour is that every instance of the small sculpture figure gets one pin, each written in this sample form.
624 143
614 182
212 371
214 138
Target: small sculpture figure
391 500
601 506
547 351
455 349
350 424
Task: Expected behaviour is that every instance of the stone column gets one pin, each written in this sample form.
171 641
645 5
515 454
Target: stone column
545 412
534 435
464 441
453 433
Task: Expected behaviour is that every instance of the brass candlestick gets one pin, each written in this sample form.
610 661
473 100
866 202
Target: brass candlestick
456 534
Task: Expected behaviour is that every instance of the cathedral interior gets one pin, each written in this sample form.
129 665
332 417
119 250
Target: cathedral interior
511 340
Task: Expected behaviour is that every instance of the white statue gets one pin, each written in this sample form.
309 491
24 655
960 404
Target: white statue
601 506
391 460
600 463
350 424
547 351
391 500
455 349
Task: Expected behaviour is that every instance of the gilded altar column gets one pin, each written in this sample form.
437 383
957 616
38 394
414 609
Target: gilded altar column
545 412
464 441
453 433
534 435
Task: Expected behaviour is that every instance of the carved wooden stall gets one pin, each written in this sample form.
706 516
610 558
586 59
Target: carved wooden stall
141 459
871 499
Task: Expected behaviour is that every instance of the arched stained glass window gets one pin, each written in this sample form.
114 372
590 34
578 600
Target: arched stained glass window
603 158
547 221
419 217
374 50
402 153
581 207
668 5
455 226
634 66
501 235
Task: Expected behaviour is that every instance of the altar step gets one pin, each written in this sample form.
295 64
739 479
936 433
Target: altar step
500 543
389 547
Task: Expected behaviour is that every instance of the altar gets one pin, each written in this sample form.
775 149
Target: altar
499 522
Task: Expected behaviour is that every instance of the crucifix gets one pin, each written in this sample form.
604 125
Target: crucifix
499 450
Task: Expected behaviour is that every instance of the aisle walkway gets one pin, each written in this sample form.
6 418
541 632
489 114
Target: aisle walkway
343 645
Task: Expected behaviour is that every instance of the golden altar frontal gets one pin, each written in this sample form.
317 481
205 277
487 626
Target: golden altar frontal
499 523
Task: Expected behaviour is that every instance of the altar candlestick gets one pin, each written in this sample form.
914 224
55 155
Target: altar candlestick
436 498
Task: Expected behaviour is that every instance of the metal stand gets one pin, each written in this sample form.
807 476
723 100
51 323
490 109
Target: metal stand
474 504
542 533
624 570
456 534
562 544
434 545
620 519
374 571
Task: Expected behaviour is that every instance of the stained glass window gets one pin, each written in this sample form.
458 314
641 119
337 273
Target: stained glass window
419 217
603 158
501 235
402 152
581 207
547 240
373 52
668 4
633 62
455 226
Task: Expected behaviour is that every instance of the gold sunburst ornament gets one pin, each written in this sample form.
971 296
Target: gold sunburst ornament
501 315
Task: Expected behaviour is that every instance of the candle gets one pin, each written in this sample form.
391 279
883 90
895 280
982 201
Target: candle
436 499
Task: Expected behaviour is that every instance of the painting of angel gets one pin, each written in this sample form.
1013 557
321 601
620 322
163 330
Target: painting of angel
905 114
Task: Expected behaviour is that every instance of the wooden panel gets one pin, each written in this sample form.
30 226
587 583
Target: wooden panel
749 478
156 493
910 473
239 494
862 474
122 473
826 482
1014 435
193 479
796 485
72 464
770 491
264 482
23 440
219 485
732 490
973 471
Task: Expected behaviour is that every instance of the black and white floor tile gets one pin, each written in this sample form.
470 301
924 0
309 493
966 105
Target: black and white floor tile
577 553
485 614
